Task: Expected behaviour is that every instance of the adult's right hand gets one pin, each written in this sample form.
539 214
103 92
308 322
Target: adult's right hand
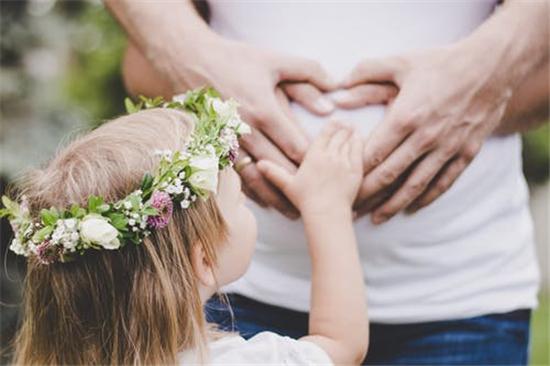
251 76
256 79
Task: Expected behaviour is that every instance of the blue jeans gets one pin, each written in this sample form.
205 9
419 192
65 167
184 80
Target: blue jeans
496 339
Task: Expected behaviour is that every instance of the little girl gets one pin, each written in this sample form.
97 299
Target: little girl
131 228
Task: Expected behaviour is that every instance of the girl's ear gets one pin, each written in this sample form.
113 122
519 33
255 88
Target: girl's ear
203 269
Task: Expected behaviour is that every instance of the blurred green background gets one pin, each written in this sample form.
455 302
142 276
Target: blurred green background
60 73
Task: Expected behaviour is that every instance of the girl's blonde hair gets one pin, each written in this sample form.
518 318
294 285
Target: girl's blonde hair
137 305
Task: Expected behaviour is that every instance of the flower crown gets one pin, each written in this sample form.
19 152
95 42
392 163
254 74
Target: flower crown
181 177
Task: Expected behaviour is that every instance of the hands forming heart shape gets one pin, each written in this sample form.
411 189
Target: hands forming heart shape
438 116
442 104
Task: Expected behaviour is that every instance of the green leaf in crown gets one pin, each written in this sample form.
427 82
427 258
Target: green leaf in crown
59 234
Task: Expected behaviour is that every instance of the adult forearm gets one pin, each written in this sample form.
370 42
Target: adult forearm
516 37
338 304
529 106
165 32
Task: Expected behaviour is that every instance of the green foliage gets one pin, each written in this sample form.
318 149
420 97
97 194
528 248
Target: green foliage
119 221
180 178
93 80
10 209
540 331
536 154
49 217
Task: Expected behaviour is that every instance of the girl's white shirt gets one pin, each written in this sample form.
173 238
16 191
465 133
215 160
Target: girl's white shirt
469 253
263 349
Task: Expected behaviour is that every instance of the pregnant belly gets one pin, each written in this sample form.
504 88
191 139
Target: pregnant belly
491 186
364 119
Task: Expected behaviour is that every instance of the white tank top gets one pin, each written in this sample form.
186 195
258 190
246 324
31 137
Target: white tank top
469 253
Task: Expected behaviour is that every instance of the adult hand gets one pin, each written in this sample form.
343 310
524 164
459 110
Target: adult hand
255 185
252 76
448 102
261 190
142 78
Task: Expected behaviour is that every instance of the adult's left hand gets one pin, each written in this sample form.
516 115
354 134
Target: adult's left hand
448 102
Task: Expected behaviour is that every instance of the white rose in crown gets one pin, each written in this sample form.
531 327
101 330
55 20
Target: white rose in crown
96 229
205 171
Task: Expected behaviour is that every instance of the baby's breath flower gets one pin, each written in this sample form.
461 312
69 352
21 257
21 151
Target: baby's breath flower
181 177
17 247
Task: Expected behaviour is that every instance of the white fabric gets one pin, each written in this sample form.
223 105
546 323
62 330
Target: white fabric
263 349
469 253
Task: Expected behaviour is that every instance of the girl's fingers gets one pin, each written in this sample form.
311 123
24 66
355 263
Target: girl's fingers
345 148
356 150
276 174
266 192
261 148
326 135
340 137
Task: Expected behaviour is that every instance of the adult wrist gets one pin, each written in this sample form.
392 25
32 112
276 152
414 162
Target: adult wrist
516 49
179 55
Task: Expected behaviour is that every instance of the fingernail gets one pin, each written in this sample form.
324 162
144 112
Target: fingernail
292 215
323 105
412 209
379 219
347 81
341 96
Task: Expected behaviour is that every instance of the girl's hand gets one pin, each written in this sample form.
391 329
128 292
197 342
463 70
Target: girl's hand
328 178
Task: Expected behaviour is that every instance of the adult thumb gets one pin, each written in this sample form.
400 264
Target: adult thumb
375 71
301 69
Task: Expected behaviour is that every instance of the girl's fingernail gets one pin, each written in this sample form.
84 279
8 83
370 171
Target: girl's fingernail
324 105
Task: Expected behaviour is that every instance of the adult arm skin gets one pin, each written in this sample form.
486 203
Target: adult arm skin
529 106
185 53
437 131
528 109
